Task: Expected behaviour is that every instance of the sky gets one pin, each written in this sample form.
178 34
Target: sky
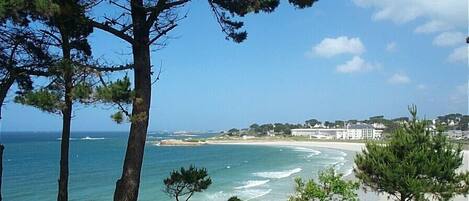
347 59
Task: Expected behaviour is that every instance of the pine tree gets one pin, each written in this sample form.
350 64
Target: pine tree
182 184
414 164
23 52
67 27
145 23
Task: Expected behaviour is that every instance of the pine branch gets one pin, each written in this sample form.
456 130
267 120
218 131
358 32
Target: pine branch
119 33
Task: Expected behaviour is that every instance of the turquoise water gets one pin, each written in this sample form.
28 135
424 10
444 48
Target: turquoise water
249 172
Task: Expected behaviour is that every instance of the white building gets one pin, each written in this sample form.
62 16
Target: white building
351 132
320 133
359 132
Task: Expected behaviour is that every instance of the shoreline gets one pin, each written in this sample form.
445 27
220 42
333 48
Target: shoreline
347 146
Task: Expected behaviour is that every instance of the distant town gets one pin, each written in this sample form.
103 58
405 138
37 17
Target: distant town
455 126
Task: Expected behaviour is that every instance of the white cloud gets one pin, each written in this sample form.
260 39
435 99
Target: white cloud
391 47
330 47
449 39
399 78
432 27
439 15
356 64
459 54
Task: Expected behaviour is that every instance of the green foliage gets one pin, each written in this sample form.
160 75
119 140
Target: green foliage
234 198
464 123
285 129
118 117
185 182
83 92
233 131
143 116
264 128
412 164
67 28
254 127
115 92
21 11
458 121
226 10
312 122
331 186
45 100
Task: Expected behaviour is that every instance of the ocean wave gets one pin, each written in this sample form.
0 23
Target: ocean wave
332 161
342 153
92 138
253 194
279 174
252 183
217 196
245 194
339 165
308 150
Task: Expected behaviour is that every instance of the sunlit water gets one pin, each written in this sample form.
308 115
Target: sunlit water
249 172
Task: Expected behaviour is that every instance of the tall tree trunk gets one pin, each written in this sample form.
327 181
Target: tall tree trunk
66 120
4 88
127 186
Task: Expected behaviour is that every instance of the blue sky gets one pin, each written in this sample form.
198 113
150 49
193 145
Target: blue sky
338 60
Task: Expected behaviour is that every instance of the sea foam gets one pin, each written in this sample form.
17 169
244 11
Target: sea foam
311 151
92 138
252 183
279 174
251 194
244 194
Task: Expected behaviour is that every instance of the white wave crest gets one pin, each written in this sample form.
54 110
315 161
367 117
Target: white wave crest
342 153
217 196
278 175
252 183
92 138
245 194
312 151
254 193
339 165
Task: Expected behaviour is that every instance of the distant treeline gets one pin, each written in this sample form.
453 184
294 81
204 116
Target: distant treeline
446 122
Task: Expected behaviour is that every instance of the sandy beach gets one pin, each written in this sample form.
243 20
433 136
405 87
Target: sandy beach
348 146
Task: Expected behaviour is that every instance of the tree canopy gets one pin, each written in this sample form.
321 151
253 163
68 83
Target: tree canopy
413 164
331 186
184 183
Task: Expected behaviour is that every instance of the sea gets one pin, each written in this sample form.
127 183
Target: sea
250 172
